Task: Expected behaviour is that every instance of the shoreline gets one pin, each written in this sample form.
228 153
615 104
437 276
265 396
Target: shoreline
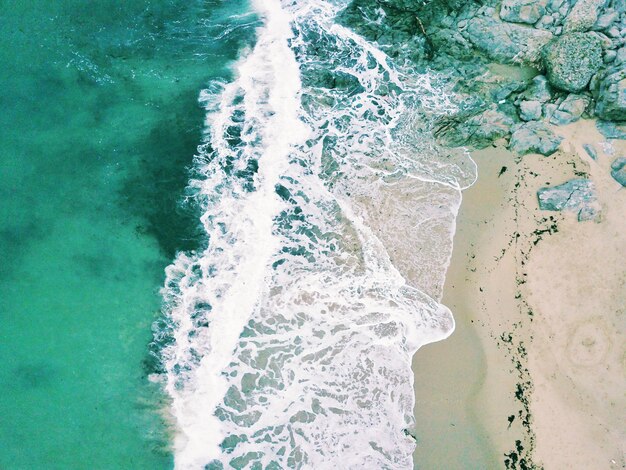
504 388
451 375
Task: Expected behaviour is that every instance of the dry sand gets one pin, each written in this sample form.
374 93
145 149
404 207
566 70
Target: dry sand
536 369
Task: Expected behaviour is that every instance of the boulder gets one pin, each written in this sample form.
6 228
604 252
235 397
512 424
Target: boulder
609 56
539 90
618 170
507 90
583 15
506 42
530 110
577 195
606 20
534 137
572 59
478 131
570 110
611 94
522 11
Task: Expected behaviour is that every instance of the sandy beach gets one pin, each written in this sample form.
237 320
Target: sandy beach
535 373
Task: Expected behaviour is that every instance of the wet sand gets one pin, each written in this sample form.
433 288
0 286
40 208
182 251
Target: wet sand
535 370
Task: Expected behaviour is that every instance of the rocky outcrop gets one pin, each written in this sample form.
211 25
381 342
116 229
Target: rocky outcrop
579 46
538 90
572 59
578 195
583 16
611 94
523 11
618 170
477 131
506 42
534 137
530 110
570 110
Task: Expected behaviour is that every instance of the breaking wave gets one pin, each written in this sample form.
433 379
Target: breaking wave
329 213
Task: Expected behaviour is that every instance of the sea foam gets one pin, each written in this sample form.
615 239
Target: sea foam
329 215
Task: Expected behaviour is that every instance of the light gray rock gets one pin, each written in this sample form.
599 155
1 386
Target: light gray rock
613 32
555 5
611 94
572 59
570 110
538 90
606 20
534 137
545 22
530 110
477 131
577 195
618 170
620 56
609 56
583 15
507 89
522 11
549 109
506 42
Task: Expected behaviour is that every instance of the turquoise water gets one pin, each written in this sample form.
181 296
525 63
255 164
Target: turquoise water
99 122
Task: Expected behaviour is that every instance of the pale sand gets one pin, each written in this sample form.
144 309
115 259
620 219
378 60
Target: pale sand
540 314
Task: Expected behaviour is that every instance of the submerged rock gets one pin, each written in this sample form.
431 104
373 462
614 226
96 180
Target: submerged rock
523 11
506 42
618 170
611 94
577 195
534 137
572 59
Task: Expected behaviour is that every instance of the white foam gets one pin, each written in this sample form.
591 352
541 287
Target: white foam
294 329
269 80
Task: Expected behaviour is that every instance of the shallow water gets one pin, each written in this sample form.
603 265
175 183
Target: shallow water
99 122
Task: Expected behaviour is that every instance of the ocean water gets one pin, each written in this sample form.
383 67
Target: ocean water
328 212
99 122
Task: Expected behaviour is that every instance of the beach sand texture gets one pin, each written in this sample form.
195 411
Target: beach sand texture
536 369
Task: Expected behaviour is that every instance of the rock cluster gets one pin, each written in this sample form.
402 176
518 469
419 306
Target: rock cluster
576 47
534 137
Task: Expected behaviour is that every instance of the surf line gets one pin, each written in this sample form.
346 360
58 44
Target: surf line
269 78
